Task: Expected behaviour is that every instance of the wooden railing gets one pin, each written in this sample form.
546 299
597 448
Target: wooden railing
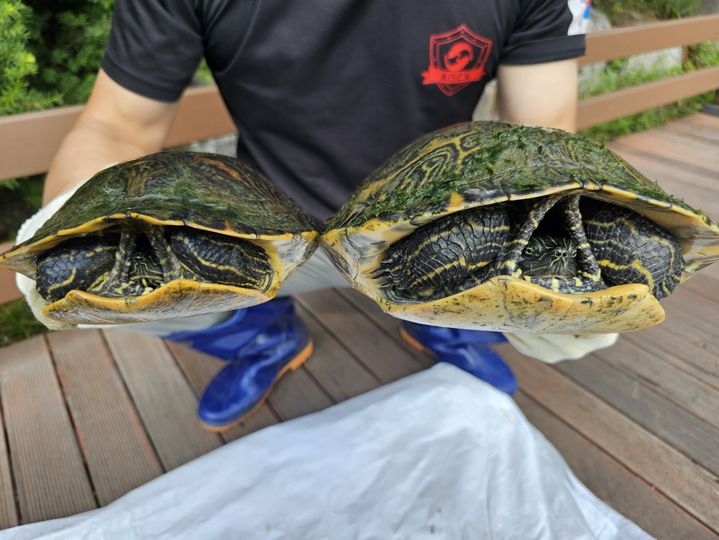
29 141
623 42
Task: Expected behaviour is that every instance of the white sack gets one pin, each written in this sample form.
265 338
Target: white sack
437 455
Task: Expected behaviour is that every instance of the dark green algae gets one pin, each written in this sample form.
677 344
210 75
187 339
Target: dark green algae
500 160
215 191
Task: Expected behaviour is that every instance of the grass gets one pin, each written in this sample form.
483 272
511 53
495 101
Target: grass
17 323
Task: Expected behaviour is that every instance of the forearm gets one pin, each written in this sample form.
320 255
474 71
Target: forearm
116 125
88 148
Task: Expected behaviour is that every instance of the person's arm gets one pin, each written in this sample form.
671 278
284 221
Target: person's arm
539 94
116 125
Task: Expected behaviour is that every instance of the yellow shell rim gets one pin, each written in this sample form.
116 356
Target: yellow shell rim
457 203
141 303
104 222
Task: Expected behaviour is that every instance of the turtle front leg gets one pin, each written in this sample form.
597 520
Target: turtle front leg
589 268
170 264
510 263
114 282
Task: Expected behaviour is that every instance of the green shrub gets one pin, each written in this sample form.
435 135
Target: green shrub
17 63
68 38
17 323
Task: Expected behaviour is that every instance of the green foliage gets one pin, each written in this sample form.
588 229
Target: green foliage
17 323
626 11
68 38
203 75
50 51
19 199
17 63
703 55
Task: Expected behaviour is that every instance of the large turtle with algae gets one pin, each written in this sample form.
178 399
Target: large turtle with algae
168 235
514 228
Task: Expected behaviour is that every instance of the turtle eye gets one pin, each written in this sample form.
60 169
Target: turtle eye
529 251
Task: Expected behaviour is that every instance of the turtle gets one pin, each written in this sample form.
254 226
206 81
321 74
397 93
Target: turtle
168 235
505 227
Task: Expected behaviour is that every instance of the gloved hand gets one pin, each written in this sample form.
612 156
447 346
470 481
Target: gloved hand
552 348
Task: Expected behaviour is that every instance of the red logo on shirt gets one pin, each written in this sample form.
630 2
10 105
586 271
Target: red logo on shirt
456 59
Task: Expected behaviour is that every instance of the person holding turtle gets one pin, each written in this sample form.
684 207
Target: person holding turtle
322 93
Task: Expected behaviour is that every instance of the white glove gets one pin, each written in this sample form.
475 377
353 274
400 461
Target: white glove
552 348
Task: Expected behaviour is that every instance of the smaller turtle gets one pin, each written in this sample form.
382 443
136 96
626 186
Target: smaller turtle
513 228
169 235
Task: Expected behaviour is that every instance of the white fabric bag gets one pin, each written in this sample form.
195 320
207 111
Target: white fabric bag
437 455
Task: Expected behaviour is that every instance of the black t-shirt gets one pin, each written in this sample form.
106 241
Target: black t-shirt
324 91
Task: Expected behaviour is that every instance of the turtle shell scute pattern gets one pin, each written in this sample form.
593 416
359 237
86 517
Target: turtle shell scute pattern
486 161
214 191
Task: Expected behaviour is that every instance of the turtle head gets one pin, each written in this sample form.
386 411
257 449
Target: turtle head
549 256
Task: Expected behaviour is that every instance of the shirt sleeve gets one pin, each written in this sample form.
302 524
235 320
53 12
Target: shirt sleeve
540 33
154 48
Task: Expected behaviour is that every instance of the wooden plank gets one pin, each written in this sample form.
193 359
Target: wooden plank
686 330
669 170
703 283
30 140
624 42
332 365
691 393
612 482
688 321
695 189
706 125
200 368
657 414
379 354
390 326
50 476
694 132
8 510
712 271
665 155
8 289
693 360
598 109
118 454
162 396
298 394
649 457
679 147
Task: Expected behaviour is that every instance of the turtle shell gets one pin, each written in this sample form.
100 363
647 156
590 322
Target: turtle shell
201 191
483 163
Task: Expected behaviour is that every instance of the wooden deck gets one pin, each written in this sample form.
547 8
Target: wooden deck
89 415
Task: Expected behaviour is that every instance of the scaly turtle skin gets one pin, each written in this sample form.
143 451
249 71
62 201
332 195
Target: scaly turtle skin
168 235
514 228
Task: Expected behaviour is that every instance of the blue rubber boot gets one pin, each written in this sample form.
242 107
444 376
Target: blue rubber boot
228 339
467 349
269 340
